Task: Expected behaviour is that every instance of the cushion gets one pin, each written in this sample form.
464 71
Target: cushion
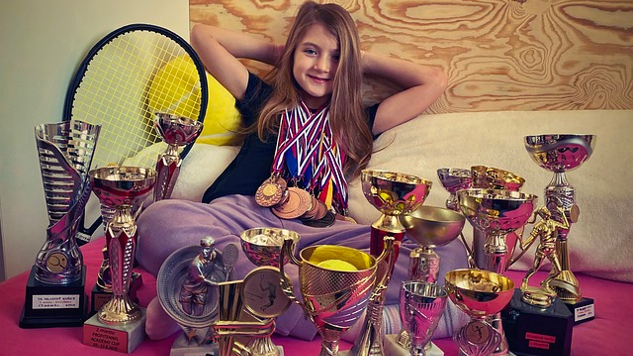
221 118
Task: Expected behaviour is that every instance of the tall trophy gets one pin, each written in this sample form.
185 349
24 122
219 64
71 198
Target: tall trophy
479 294
560 153
187 289
119 324
422 305
55 288
335 284
393 194
429 227
454 179
176 131
496 213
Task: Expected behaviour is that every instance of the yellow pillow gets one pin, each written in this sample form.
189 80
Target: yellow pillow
179 76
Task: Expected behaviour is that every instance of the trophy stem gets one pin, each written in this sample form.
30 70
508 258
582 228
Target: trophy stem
424 265
167 171
329 341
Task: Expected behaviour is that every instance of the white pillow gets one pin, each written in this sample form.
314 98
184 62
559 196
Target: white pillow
599 243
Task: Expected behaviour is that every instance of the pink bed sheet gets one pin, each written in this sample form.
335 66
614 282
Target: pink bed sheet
605 335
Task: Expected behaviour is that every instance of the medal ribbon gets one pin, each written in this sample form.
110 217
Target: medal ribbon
306 149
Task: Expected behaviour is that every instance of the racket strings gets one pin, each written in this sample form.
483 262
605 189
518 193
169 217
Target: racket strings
121 91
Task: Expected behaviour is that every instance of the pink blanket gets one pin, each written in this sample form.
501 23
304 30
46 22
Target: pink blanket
605 335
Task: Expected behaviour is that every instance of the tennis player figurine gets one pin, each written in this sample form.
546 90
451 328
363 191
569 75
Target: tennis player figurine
546 230
193 293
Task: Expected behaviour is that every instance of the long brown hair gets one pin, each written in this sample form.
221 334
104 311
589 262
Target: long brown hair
347 118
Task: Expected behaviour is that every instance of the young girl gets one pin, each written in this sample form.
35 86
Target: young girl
305 133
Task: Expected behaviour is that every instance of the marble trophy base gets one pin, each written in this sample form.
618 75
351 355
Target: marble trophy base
98 296
181 347
392 348
53 305
122 338
535 331
582 310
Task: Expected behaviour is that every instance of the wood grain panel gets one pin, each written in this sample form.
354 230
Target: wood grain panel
499 54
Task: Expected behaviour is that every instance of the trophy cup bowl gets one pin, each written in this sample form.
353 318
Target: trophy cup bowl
495 178
431 227
479 294
335 285
454 179
422 305
560 153
121 186
263 246
176 131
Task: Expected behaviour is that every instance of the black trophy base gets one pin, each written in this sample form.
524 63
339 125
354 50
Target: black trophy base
98 296
536 331
582 310
53 305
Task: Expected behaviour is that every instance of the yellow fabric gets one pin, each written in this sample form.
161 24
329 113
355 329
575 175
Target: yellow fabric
173 90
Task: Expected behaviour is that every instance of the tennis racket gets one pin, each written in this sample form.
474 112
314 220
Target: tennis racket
130 74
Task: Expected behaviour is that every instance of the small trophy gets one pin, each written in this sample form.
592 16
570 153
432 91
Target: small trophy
55 289
176 131
119 324
495 214
393 194
429 227
537 322
479 294
187 290
454 179
336 283
560 153
422 305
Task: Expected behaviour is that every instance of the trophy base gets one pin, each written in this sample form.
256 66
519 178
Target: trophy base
536 331
181 347
98 296
582 311
393 348
53 305
122 338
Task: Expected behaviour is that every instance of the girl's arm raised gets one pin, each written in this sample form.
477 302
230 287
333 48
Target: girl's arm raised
219 50
421 87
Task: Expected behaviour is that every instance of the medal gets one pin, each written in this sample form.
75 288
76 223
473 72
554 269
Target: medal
270 192
297 204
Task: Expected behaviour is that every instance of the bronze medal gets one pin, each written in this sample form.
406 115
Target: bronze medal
314 207
326 221
297 204
269 193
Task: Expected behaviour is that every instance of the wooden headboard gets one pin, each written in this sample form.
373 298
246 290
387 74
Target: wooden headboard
499 54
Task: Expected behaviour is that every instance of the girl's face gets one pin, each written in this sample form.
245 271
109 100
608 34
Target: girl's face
315 63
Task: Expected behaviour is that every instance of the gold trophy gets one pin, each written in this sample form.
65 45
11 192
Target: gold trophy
176 131
429 227
394 195
119 324
496 214
480 294
454 179
561 153
335 283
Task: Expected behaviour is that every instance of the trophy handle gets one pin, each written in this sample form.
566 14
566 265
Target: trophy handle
286 284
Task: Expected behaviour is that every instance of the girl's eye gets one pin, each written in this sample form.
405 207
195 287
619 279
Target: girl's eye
336 57
310 51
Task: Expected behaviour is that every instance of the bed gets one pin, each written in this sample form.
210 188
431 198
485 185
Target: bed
600 248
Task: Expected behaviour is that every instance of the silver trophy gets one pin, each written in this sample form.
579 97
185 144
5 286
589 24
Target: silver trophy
454 179
561 153
123 188
187 288
422 305
65 153
429 227
176 131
